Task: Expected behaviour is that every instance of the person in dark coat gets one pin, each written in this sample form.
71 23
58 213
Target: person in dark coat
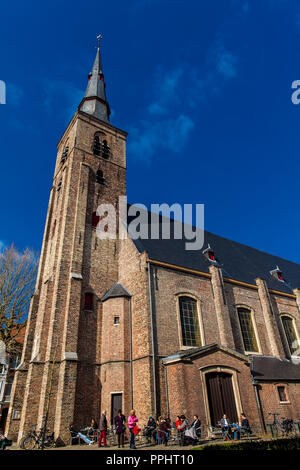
196 424
120 427
151 429
245 424
103 429
163 431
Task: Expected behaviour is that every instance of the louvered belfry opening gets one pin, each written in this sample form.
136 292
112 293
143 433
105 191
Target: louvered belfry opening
97 146
220 396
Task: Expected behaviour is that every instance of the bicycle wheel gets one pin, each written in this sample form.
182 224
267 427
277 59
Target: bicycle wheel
29 443
21 443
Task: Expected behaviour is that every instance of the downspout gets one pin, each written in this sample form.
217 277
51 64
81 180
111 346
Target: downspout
130 355
166 388
258 401
152 340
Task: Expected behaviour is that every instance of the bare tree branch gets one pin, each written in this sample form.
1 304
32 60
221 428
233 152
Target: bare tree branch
17 280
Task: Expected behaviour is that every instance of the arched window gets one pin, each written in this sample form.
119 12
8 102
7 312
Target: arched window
64 154
189 322
99 177
97 146
105 149
290 333
247 330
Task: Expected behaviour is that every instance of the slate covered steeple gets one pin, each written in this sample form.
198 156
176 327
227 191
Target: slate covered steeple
94 101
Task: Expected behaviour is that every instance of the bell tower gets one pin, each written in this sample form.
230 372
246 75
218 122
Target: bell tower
59 374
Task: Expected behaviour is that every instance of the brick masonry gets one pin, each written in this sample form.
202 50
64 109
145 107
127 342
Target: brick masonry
79 358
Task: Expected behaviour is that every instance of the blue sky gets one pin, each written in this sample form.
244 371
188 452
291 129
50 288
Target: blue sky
203 89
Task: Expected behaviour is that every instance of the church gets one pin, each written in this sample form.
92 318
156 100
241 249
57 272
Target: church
144 323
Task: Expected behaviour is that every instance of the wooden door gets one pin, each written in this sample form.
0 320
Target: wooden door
116 404
220 396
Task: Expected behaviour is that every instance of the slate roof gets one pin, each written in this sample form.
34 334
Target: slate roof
94 101
274 368
238 261
117 290
191 353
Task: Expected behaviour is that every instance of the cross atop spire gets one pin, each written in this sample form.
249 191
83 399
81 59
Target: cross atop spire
94 101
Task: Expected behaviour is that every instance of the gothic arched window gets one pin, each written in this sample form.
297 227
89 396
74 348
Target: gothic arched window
190 328
64 154
290 333
97 146
247 330
105 149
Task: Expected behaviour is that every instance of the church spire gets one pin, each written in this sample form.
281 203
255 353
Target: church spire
94 101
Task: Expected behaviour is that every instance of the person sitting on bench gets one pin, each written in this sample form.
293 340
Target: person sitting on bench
226 427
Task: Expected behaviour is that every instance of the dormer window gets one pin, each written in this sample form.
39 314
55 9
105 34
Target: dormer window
277 273
209 254
64 154
99 177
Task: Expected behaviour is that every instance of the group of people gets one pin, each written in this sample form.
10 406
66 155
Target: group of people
158 431
233 430
89 434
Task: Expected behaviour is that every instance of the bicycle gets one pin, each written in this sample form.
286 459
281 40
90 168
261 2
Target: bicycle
284 428
34 440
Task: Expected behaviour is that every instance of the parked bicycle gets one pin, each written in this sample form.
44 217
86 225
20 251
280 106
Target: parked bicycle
34 440
284 428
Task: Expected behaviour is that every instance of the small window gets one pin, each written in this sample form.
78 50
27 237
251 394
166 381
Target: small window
97 146
116 320
290 333
99 177
247 329
282 393
16 414
59 185
88 301
95 219
8 390
15 361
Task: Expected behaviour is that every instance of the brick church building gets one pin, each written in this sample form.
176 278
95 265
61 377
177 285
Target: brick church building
145 324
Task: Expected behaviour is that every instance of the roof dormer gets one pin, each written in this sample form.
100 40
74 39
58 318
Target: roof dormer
209 254
277 274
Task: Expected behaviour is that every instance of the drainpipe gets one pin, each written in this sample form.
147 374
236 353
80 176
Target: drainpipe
130 355
152 338
166 388
258 402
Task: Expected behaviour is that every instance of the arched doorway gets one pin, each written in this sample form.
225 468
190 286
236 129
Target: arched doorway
220 395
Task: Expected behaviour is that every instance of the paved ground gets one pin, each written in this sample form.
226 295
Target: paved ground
115 448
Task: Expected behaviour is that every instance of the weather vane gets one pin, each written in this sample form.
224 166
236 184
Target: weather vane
99 37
